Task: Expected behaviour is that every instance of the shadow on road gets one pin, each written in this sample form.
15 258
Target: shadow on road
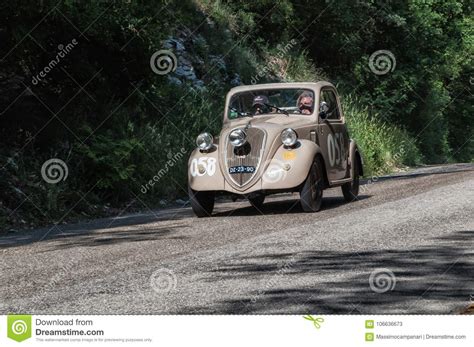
114 237
288 206
423 279
104 231
143 227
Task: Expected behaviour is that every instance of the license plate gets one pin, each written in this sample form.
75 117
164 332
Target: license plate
241 169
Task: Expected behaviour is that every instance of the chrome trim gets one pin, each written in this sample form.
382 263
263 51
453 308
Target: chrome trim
226 162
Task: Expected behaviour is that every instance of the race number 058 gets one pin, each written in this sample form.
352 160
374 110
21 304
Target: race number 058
335 148
202 166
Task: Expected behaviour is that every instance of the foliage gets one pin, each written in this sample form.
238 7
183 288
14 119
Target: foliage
117 124
385 148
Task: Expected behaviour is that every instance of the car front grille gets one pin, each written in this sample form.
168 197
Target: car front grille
248 155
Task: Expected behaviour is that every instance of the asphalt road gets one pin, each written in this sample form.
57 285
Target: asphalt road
405 247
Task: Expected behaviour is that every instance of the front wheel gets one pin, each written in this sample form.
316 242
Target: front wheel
350 190
202 203
311 194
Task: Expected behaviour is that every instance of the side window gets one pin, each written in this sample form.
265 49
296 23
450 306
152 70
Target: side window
328 96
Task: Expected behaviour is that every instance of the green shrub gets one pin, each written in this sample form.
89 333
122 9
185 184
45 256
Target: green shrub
385 148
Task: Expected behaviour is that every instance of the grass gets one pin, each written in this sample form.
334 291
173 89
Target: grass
385 148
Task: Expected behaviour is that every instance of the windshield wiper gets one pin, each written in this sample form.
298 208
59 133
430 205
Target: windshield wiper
241 114
278 109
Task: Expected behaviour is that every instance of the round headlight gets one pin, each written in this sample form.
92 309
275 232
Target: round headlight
237 137
289 137
204 141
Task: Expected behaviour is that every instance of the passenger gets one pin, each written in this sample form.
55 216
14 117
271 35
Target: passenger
305 103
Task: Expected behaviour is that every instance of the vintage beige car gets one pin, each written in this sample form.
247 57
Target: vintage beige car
275 140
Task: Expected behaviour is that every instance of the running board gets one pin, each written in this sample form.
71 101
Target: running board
339 182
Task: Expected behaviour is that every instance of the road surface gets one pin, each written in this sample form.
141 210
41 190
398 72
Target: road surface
406 246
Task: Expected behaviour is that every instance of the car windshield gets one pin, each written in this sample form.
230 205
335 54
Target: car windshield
286 101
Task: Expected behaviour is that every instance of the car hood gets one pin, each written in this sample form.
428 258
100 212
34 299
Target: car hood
264 136
273 125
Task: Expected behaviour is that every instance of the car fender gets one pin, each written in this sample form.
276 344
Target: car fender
353 153
204 172
289 167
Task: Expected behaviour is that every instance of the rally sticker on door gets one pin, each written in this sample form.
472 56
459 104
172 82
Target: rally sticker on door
336 149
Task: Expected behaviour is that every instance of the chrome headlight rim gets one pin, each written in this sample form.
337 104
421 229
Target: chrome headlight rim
204 141
238 137
289 138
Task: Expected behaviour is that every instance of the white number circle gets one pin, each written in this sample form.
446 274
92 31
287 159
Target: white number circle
202 166
331 150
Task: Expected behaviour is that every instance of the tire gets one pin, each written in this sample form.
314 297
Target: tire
202 203
351 190
257 201
311 194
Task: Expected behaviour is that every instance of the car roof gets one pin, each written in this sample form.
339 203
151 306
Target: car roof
302 85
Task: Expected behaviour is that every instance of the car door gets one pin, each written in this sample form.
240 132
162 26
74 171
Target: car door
332 135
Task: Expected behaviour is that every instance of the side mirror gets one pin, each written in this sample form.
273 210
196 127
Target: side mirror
323 109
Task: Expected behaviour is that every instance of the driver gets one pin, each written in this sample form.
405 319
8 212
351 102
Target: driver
305 103
259 104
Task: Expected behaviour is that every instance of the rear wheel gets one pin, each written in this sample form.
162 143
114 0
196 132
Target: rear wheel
202 203
257 201
351 190
311 194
